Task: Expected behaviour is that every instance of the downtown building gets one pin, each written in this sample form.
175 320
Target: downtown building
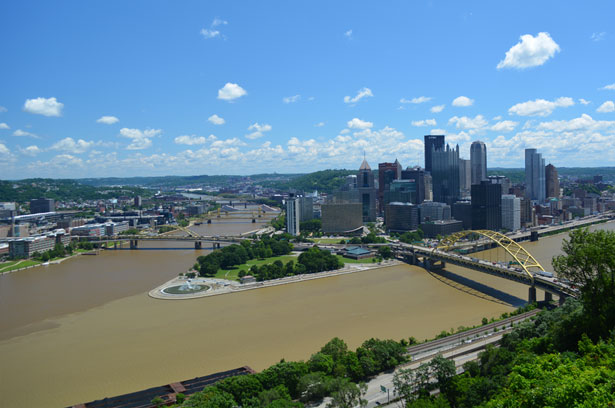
511 212
387 173
487 206
445 174
535 176
293 215
478 162
552 181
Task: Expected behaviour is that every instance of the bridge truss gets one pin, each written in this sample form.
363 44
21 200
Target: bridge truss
525 260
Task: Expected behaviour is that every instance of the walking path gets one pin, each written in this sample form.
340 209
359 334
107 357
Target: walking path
222 286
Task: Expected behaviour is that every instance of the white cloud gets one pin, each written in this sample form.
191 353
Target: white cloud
212 32
348 34
608 106
216 120
504 126
610 87
107 120
598 36
44 106
462 101
31 151
4 150
361 93
2 109
21 133
530 52
141 139
291 99
458 137
69 145
583 123
426 122
540 107
357 123
464 122
320 124
584 101
258 130
437 109
4 126
499 117
230 92
420 99
193 139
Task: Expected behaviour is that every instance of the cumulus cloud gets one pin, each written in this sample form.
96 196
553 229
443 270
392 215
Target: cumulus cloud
2 109
530 52
4 150
583 123
291 99
44 106
216 120
348 34
357 123
361 93
540 107
141 139
504 126
107 120
69 145
23 133
4 126
464 122
230 92
598 36
426 122
462 101
610 87
31 150
437 109
193 139
258 130
419 99
584 101
212 31
320 124
608 106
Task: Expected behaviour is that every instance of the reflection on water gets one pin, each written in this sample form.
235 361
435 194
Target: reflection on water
86 329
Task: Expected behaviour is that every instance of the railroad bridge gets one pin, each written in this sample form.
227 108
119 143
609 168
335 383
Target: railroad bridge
523 268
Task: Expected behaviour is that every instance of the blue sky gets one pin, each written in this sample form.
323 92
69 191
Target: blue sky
120 88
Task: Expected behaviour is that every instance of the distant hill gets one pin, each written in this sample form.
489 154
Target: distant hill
323 181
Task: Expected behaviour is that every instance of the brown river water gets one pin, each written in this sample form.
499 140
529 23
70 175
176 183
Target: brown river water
85 329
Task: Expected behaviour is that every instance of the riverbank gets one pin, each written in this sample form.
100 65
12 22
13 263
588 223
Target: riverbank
40 263
223 286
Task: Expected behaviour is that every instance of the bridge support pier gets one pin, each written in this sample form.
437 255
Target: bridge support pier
548 297
253 220
562 299
531 297
209 220
198 245
134 244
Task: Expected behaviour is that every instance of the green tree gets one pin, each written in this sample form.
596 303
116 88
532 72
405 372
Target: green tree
347 394
589 262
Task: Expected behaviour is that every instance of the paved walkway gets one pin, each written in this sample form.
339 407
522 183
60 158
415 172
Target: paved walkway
222 286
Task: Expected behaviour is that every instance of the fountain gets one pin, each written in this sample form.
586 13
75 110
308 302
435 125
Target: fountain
185 289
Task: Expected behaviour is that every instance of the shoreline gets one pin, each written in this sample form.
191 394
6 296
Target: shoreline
224 287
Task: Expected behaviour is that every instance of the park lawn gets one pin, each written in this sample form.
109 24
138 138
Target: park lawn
233 274
12 265
327 240
348 260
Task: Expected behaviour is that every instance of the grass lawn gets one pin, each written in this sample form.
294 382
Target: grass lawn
348 260
327 240
232 274
12 265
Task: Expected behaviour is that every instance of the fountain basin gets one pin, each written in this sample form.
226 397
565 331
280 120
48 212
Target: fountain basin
185 289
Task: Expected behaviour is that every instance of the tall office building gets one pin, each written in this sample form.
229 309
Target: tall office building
367 192
387 172
445 174
465 175
293 215
422 181
511 212
42 205
403 191
478 159
432 142
551 181
486 206
535 175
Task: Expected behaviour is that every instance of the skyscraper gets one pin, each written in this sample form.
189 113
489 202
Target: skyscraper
534 175
465 175
478 159
293 215
445 174
387 172
432 142
367 192
486 206
511 212
551 181
422 181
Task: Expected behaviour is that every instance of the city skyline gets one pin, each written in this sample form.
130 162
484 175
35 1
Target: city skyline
156 89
